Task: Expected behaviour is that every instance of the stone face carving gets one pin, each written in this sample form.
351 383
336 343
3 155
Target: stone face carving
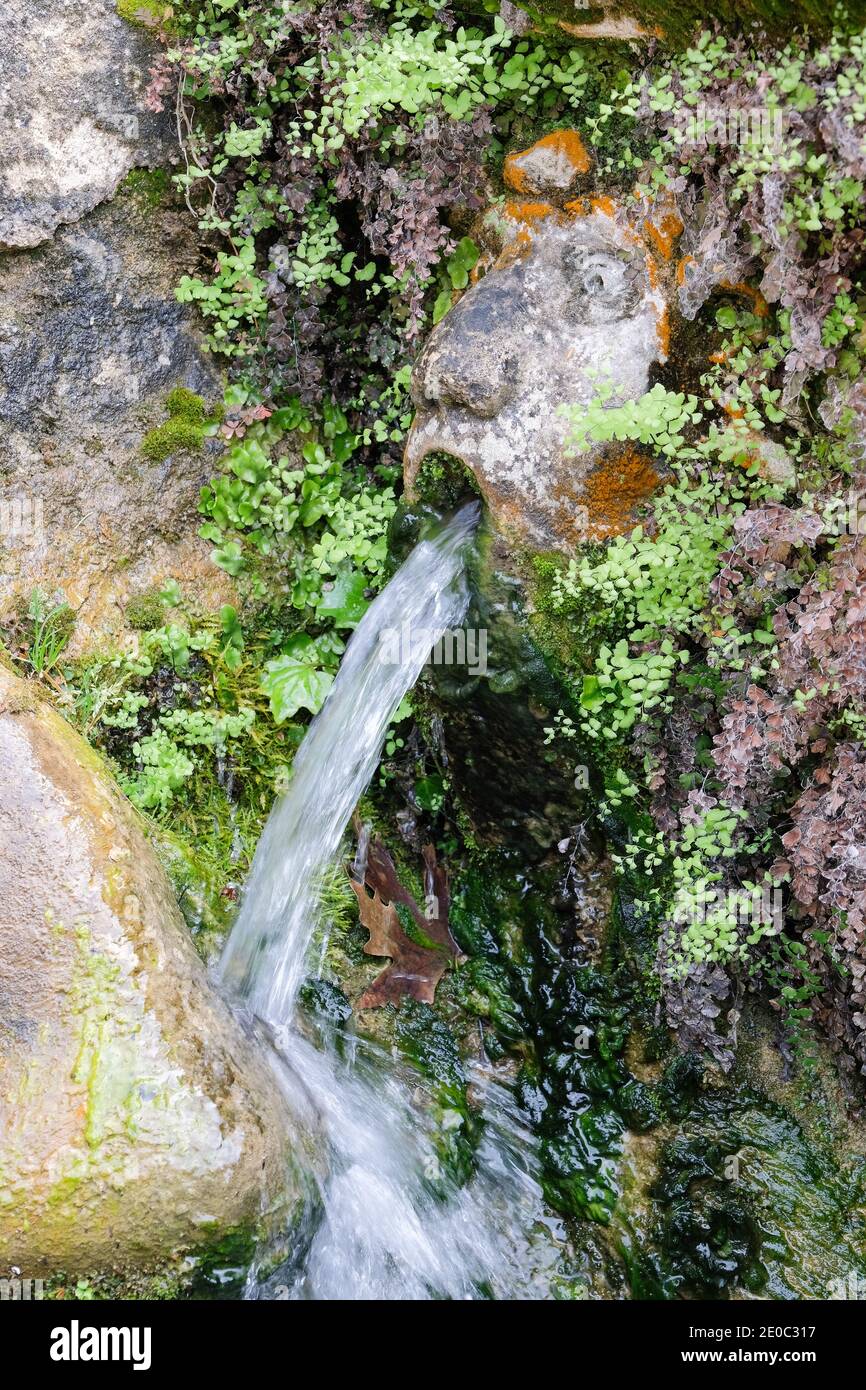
572 302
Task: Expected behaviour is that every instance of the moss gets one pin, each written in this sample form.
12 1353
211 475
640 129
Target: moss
145 611
200 888
677 20
429 1044
185 429
445 481
218 1271
325 1003
184 404
740 1186
94 1286
567 641
172 437
146 14
484 989
221 1270
150 186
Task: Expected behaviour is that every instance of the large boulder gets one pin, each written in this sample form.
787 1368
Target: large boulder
138 1122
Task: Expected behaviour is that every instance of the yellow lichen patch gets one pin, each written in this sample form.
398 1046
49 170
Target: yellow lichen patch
614 490
578 207
553 162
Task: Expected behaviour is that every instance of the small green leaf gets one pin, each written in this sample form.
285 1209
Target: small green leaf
344 604
294 681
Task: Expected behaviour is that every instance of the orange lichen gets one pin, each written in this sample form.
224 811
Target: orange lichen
681 268
604 204
614 490
515 250
760 307
529 212
663 332
664 233
565 146
578 207
514 176
605 505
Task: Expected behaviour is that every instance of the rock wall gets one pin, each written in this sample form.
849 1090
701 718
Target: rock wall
92 338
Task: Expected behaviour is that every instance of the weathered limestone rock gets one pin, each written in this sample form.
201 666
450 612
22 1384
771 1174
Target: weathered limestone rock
573 303
137 1122
92 340
551 165
74 118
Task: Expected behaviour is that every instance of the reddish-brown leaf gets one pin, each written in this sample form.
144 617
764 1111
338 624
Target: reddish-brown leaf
415 970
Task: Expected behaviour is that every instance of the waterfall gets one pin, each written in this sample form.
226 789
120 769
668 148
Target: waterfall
265 957
386 1230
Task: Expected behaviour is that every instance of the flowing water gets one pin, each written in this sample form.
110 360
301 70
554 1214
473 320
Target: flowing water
392 1225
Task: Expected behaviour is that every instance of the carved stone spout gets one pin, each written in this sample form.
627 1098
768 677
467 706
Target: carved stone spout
572 303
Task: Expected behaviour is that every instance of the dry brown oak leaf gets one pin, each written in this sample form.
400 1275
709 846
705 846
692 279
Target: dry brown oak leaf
415 970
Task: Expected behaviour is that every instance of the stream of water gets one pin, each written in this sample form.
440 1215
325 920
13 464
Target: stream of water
392 1226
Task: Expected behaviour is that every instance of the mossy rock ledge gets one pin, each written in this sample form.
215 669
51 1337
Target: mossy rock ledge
139 1125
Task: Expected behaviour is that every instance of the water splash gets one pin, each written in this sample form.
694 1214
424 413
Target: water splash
392 1225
